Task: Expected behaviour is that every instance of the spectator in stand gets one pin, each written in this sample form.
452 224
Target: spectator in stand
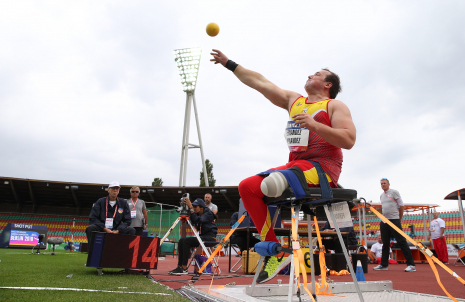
208 201
377 250
138 210
436 233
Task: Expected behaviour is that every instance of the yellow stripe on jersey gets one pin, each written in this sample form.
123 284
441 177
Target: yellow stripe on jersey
299 106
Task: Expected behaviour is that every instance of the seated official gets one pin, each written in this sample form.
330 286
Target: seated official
241 238
333 243
110 214
376 252
203 220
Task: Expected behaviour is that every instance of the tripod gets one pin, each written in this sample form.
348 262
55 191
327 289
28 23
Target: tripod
185 219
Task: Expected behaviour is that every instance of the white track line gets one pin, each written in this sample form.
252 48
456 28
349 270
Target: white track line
83 290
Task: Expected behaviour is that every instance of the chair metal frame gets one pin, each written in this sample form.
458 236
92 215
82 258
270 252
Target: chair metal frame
314 200
461 252
207 247
236 248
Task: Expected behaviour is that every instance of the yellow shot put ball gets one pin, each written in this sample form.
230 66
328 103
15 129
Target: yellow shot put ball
213 29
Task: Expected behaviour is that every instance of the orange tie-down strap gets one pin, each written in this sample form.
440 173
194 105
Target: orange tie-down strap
222 243
298 257
323 288
428 254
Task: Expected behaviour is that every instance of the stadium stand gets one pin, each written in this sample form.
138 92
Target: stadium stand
57 224
453 232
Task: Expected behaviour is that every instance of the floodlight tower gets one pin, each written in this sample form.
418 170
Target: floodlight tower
188 61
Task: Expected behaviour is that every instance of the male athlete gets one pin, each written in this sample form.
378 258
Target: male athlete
318 128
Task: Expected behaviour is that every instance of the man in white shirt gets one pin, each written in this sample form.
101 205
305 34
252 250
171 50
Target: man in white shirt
138 210
436 233
376 252
393 210
210 205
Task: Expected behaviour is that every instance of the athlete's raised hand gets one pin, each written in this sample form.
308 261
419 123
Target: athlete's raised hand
219 57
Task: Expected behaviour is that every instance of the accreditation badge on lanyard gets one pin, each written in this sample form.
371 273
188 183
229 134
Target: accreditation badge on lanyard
296 138
109 221
133 211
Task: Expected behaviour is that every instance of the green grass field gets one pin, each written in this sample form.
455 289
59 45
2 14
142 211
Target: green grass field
20 268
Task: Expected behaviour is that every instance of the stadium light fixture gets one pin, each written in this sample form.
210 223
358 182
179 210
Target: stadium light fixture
188 62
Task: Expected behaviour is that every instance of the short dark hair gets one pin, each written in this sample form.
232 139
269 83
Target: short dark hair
333 79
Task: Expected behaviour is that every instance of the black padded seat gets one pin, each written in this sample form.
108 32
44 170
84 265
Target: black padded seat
314 194
210 243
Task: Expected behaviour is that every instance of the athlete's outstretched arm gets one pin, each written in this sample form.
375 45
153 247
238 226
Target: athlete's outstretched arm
342 132
279 97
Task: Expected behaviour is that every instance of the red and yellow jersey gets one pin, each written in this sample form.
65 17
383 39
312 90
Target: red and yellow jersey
319 150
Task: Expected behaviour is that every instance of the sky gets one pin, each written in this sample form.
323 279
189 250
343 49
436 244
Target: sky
90 91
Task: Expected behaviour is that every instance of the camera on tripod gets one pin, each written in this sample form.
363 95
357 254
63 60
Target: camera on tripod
184 208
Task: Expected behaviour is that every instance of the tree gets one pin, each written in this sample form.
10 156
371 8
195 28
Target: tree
211 178
157 182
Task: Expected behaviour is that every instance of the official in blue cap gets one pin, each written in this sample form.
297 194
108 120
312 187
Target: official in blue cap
204 221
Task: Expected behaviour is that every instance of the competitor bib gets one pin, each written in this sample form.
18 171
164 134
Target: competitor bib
109 223
296 138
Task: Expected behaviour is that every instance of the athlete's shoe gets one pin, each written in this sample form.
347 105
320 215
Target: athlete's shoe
178 271
271 268
410 268
380 268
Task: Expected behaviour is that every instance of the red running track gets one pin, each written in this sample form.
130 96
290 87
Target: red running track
421 281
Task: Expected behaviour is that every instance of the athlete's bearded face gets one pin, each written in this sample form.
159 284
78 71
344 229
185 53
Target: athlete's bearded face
316 82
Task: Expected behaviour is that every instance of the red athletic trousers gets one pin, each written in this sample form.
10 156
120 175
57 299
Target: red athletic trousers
440 246
252 198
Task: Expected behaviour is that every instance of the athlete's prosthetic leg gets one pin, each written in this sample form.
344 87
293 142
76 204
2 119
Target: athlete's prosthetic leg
274 185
